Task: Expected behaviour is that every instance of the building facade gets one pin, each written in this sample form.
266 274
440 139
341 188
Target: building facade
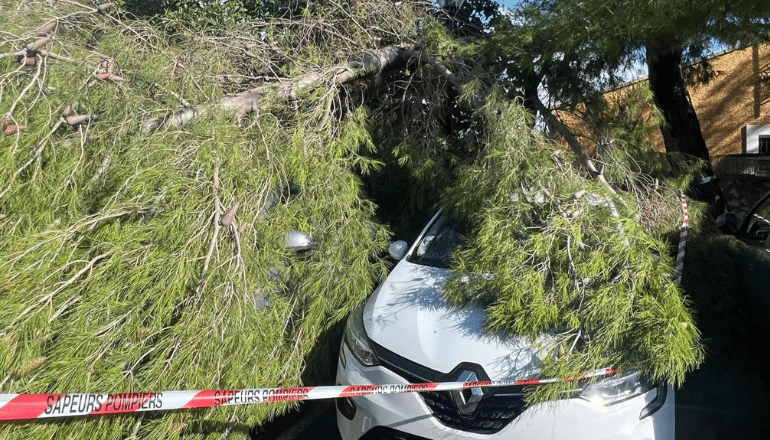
734 105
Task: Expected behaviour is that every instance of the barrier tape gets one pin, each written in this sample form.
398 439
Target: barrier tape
682 238
42 406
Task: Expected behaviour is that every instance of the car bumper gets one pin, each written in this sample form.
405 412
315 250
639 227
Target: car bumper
572 419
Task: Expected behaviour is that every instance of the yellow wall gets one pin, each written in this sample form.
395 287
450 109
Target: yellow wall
737 97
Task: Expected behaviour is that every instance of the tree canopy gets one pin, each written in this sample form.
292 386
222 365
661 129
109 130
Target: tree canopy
576 50
141 254
152 170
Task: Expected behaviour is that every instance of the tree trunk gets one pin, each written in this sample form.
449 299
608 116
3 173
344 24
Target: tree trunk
568 136
681 133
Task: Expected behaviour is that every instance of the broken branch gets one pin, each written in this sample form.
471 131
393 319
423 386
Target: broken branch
572 141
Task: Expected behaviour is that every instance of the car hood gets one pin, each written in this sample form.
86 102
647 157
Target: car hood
408 316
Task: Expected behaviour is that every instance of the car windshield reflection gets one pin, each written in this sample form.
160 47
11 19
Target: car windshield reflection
440 240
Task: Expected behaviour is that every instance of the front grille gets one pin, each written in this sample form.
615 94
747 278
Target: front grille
492 414
497 408
383 433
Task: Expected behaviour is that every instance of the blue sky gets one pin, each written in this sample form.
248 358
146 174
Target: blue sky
637 71
508 2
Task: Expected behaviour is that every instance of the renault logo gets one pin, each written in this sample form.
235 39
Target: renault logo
468 399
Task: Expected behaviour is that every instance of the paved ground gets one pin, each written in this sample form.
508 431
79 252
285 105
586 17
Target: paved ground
729 396
723 401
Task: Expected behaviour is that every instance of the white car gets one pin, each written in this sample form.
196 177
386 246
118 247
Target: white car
407 333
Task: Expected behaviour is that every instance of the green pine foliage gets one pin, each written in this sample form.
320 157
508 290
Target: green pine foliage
621 130
137 254
551 262
210 13
117 271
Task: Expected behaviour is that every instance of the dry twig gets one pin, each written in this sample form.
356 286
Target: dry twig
86 268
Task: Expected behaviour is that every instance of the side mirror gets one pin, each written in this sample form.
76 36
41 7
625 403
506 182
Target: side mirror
298 241
728 223
397 249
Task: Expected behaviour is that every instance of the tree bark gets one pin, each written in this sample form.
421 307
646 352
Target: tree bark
555 124
681 132
369 63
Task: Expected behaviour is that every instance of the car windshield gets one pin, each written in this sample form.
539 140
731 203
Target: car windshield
436 247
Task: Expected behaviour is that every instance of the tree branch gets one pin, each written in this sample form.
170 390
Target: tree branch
568 136
214 239
478 101
369 63
552 121
87 268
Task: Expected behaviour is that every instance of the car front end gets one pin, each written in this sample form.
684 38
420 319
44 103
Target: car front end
616 407
406 333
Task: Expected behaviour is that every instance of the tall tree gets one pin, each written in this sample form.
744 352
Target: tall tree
681 129
583 47
608 35
677 28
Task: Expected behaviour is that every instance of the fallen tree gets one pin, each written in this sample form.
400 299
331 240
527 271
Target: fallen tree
138 259
150 179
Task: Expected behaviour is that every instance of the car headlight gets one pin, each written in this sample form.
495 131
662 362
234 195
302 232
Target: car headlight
614 389
356 339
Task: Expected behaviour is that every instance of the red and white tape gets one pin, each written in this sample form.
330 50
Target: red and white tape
42 406
682 238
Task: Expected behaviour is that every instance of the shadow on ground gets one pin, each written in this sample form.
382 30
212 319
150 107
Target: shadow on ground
728 397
